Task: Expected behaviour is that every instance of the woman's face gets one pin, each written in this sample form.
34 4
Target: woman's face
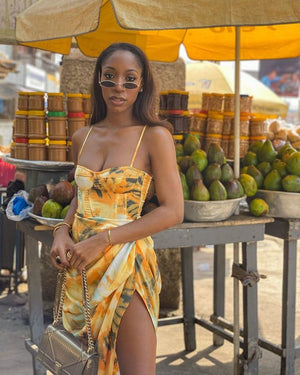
122 67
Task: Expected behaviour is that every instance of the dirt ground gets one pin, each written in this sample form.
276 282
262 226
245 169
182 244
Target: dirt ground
171 357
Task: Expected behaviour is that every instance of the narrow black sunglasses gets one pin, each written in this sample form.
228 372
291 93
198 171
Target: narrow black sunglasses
126 85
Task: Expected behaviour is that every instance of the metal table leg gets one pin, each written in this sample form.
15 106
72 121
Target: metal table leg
187 276
36 317
219 288
288 306
251 352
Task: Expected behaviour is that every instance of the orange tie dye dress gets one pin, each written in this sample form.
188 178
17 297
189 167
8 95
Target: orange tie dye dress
107 199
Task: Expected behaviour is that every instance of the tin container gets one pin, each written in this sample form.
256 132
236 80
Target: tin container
36 101
281 204
23 100
57 127
216 102
198 211
21 124
37 149
36 124
86 103
55 102
75 121
174 100
205 101
21 148
74 102
57 150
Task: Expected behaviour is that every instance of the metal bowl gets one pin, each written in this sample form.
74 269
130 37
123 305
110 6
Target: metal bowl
281 203
210 210
45 220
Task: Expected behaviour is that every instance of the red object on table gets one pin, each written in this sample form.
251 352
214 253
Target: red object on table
7 173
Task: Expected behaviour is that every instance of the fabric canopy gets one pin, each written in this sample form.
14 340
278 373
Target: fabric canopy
160 27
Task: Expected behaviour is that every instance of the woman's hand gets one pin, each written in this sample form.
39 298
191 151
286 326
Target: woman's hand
61 245
86 251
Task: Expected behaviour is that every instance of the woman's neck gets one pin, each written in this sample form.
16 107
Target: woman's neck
119 120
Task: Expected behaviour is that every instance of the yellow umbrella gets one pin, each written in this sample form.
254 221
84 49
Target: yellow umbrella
159 27
210 77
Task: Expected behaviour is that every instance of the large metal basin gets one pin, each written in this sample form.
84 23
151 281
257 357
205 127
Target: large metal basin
281 203
210 210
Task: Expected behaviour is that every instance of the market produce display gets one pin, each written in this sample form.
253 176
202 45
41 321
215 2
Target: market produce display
52 204
206 176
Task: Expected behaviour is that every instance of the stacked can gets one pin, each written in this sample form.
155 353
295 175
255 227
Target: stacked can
19 144
258 128
174 107
57 127
214 128
87 108
76 118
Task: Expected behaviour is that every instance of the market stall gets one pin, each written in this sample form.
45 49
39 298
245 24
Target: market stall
220 37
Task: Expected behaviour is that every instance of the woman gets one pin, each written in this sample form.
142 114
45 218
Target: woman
116 158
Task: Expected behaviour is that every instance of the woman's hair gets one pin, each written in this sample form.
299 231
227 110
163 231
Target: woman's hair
144 106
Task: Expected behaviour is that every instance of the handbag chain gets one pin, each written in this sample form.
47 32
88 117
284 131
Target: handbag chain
85 302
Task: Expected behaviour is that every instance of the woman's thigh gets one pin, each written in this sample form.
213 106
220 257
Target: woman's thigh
136 341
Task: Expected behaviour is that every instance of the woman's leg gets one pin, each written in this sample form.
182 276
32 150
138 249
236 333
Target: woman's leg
136 341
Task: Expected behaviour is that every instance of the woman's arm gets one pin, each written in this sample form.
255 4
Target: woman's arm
169 193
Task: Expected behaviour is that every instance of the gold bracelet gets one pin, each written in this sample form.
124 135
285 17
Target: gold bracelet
109 237
59 225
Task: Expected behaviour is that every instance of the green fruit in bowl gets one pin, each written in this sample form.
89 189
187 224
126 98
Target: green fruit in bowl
64 211
51 209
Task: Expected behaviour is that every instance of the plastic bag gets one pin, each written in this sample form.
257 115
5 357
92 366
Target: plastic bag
19 206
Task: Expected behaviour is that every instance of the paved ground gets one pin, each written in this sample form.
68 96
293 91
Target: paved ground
171 357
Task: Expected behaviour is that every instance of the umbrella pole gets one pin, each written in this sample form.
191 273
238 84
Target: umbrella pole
236 323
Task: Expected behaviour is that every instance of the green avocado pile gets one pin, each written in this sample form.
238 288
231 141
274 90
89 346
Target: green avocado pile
206 176
273 170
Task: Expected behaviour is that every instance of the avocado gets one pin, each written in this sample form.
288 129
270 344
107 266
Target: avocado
293 164
199 158
185 188
217 191
234 189
264 167
272 180
226 173
211 172
215 154
257 175
199 191
191 143
192 174
291 183
267 152
250 159
249 184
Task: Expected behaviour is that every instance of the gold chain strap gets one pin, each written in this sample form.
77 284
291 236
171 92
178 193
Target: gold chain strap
61 280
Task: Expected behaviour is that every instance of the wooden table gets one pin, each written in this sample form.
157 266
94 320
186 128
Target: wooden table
242 229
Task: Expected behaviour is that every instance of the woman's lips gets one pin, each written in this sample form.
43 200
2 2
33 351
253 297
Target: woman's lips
117 100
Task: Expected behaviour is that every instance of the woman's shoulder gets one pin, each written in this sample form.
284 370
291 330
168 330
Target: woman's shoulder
80 134
158 131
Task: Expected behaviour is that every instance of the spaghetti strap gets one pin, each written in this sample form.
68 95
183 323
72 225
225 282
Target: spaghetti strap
83 143
137 146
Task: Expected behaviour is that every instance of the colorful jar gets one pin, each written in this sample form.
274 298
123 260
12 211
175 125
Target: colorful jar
163 100
225 144
12 150
36 101
76 120
86 103
23 100
21 148
186 122
175 117
212 138
37 124
184 100
57 150
57 125
258 126
178 138
245 103
214 122
88 118
21 124
37 149
69 151
244 124
216 102
174 100
228 123
55 102
243 143
74 102
229 102
205 101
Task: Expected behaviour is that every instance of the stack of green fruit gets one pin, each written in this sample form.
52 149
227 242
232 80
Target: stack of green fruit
271 169
207 176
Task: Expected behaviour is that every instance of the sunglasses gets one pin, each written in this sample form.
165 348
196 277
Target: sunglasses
126 85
